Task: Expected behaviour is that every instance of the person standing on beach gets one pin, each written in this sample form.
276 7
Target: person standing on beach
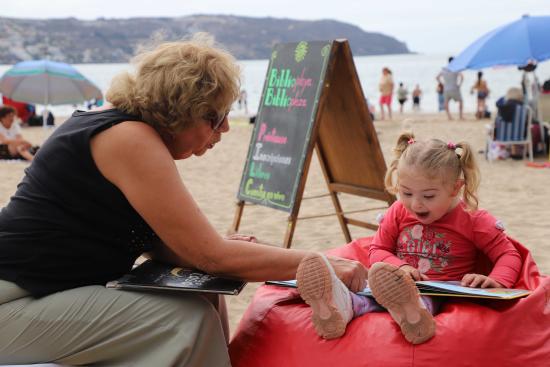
402 93
105 189
416 94
386 91
482 94
452 81
243 101
440 97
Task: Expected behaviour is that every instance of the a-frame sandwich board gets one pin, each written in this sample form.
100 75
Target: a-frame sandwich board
312 98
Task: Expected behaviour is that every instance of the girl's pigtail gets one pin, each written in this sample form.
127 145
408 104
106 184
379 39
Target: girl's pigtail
403 142
471 174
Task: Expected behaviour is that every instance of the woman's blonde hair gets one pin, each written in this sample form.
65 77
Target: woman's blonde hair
437 159
177 83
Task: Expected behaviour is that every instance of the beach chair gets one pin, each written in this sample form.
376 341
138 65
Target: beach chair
544 115
544 108
515 132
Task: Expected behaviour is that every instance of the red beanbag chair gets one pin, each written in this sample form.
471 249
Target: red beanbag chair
276 330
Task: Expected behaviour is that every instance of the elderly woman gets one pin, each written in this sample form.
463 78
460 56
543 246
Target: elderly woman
103 190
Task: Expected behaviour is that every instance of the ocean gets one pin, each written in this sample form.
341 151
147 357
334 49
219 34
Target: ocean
410 69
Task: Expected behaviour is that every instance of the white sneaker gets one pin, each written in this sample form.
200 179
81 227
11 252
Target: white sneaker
328 297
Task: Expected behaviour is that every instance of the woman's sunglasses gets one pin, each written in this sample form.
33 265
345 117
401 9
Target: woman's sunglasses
215 120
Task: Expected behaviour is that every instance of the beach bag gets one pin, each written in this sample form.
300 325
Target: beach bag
276 329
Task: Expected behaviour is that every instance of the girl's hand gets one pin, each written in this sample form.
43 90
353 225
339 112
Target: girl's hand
241 237
352 273
413 272
479 281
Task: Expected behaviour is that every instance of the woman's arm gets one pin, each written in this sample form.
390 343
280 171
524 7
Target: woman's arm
133 157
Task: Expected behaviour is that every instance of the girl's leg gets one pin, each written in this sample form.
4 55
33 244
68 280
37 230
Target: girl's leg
433 304
363 304
96 325
329 298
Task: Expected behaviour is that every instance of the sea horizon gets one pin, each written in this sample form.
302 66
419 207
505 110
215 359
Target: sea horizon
410 69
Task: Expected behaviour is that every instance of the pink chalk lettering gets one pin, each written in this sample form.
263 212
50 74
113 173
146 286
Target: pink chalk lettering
263 129
298 102
300 85
301 82
272 137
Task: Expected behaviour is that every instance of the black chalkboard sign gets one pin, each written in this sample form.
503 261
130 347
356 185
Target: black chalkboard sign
279 145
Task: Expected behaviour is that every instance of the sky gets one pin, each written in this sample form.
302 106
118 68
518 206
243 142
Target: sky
426 26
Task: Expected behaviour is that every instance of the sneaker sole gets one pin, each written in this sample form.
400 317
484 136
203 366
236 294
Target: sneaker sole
396 291
315 287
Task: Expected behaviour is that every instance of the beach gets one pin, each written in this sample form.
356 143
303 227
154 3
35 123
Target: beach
511 191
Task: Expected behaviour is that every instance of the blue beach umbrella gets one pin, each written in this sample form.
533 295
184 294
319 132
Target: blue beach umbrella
48 83
517 43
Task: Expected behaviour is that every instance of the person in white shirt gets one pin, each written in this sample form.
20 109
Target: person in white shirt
452 81
12 144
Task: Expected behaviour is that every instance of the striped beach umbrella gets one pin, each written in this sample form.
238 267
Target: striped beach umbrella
47 82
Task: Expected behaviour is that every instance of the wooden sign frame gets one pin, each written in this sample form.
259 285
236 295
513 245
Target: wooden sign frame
346 144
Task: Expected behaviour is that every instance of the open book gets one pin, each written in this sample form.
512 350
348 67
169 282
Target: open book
152 275
441 288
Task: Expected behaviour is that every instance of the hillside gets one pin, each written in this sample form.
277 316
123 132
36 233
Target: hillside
115 40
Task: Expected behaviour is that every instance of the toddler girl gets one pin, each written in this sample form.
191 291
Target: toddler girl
433 231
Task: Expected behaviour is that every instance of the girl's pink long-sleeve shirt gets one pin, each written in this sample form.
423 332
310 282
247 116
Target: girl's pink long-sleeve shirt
447 248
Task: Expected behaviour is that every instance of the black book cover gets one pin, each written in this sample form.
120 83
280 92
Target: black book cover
153 275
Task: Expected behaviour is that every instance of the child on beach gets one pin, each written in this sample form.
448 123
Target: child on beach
12 144
416 94
402 93
434 231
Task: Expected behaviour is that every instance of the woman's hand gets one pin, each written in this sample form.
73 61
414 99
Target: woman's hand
413 272
352 273
479 281
241 237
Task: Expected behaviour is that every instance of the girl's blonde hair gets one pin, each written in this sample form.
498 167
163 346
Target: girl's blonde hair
177 83
437 159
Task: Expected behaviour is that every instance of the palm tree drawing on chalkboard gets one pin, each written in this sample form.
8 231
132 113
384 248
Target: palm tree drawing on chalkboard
301 51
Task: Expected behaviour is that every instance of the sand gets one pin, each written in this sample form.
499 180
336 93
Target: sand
516 194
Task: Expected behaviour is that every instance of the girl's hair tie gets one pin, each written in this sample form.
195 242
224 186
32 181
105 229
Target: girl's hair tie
451 145
411 141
